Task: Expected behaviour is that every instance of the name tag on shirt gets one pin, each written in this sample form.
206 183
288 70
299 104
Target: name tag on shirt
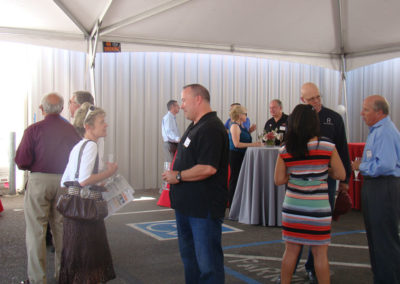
369 154
187 142
282 128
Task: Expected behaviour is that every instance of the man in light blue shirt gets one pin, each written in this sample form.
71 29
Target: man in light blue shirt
170 131
380 166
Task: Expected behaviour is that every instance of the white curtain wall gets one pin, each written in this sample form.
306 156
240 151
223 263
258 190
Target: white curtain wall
134 88
27 73
380 78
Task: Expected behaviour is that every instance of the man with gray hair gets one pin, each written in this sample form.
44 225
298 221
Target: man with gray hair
380 195
77 99
278 120
44 151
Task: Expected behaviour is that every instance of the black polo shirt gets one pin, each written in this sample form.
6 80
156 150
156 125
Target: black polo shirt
332 127
280 125
203 143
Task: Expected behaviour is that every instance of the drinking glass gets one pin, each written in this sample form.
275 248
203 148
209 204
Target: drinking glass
356 172
280 137
167 166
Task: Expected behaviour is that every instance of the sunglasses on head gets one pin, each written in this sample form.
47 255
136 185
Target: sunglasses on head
91 109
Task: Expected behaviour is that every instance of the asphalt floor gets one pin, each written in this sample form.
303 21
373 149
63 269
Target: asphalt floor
142 238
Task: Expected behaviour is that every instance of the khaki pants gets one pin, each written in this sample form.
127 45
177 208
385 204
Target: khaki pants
169 151
40 201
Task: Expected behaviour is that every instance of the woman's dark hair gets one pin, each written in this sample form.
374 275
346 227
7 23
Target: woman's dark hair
303 124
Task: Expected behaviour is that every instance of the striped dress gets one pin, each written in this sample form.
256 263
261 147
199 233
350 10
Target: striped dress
306 213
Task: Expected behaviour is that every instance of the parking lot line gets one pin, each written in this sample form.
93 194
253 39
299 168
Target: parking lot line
279 259
140 212
348 246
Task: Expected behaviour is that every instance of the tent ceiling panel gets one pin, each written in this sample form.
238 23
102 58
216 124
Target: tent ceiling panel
86 12
36 15
121 10
276 25
371 25
303 29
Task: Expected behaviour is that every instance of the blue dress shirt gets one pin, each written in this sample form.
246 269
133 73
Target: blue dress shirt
381 155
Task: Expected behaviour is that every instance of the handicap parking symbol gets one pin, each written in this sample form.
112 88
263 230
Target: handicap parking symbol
166 230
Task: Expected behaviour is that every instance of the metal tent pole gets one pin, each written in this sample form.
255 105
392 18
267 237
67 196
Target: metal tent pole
11 172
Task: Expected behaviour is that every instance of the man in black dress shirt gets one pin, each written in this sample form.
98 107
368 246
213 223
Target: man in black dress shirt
199 188
278 120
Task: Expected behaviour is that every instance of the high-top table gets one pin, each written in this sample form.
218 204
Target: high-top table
355 150
257 200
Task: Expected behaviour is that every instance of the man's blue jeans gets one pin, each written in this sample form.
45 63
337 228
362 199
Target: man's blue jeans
201 249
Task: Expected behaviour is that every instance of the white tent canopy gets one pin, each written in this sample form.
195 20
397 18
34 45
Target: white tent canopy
318 32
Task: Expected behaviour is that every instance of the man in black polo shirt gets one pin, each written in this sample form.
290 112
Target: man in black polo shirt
278 120
199 188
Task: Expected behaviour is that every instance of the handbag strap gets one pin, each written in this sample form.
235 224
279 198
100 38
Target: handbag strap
80 158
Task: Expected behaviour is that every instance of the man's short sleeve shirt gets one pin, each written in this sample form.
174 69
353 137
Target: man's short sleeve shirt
279 126
203 143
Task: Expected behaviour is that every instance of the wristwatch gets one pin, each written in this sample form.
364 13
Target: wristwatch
178 177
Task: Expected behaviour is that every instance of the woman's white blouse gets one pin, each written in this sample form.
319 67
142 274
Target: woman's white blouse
87 162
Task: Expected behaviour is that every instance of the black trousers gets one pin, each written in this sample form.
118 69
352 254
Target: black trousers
381 209
235 162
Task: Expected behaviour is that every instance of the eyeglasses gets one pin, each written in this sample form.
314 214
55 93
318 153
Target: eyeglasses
313 99
91 109
71 102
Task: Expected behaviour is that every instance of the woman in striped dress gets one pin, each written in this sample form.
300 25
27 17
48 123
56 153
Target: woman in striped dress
304 164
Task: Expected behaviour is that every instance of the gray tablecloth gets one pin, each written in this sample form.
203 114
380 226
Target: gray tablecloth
257 200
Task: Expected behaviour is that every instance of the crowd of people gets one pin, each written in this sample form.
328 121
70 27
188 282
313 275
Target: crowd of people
313 156
49 149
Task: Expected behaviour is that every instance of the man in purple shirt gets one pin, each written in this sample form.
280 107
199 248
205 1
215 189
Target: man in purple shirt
44 151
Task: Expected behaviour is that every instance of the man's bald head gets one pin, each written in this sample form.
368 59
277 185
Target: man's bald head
52 103
379 103
374 109
310 95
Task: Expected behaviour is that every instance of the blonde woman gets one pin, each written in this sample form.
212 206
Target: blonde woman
239 140
86 256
